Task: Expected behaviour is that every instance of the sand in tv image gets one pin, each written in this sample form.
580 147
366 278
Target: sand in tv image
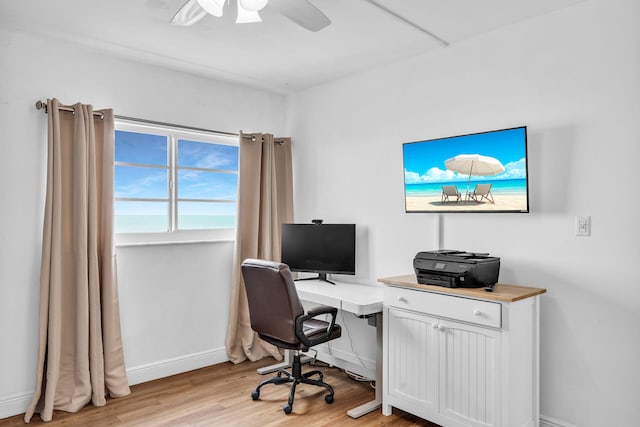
480 172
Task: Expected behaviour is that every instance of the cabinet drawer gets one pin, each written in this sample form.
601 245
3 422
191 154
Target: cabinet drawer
485 313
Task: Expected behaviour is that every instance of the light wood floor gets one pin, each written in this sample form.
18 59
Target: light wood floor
220 395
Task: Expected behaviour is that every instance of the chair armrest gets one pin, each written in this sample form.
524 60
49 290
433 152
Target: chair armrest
323 309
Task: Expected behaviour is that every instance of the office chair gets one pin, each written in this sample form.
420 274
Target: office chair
279 318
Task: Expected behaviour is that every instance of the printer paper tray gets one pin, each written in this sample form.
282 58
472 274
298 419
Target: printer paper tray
446 281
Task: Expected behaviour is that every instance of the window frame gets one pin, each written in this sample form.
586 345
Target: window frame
173 133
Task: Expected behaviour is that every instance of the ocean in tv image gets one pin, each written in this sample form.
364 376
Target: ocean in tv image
481 172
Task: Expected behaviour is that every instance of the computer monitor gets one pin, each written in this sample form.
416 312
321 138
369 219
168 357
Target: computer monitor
319 248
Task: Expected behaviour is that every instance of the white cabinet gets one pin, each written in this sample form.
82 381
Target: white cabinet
469 363
460 361
411 381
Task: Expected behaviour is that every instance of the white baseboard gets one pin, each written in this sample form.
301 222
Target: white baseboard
15 404
18 403
177 365
551 422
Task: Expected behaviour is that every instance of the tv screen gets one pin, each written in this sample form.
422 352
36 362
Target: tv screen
479 172
319 248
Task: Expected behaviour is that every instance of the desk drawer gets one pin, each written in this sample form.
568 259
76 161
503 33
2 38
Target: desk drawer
469 310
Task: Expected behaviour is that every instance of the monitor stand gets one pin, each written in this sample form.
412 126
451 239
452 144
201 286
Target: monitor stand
320 276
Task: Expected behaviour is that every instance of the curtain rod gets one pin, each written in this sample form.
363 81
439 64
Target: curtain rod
40 105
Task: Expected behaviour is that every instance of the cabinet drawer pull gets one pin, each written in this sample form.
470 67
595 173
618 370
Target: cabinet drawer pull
477 312
435 326
441 326
402 299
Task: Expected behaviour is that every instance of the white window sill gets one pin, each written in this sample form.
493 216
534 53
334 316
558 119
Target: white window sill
174 238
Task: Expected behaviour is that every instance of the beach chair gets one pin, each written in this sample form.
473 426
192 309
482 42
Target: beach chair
482 191
450 191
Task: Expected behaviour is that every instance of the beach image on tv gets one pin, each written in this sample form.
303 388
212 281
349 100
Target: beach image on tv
481 172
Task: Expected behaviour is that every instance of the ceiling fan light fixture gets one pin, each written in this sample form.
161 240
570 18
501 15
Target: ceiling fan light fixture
212 7
253 5
246 16
188 14
302 12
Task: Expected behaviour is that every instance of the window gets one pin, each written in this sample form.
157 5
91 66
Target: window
173 184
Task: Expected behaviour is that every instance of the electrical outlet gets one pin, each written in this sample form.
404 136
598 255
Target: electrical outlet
583 226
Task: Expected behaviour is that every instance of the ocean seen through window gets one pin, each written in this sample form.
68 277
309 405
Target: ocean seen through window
168 180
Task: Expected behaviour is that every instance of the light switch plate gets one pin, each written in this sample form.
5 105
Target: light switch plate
583 225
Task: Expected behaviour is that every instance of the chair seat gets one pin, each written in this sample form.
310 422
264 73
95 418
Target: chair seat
314 328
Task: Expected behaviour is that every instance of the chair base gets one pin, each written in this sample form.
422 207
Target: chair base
295 377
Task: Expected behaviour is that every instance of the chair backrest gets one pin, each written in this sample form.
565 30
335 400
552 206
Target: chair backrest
482 189
450 190
273 300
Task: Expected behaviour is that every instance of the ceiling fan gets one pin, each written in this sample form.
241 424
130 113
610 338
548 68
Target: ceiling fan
302 12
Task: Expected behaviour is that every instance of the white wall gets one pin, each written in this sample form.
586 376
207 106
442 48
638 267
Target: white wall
174 299
572 78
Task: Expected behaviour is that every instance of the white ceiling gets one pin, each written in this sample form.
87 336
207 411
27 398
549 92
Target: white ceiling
276 53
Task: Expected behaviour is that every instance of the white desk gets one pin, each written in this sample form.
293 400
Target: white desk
362 300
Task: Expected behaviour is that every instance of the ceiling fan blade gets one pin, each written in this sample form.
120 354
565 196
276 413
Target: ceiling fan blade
188 14
302 12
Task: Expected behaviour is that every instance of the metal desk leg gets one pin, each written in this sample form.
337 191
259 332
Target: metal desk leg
377 402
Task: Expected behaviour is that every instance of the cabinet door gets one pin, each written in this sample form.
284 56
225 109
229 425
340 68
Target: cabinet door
412 361
469 374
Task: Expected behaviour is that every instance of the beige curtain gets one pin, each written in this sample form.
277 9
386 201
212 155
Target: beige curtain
80 356
265 201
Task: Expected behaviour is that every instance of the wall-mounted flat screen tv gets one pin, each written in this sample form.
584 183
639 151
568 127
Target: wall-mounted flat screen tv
479 172
319 248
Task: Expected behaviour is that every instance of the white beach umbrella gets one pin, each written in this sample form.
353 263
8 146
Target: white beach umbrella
474 165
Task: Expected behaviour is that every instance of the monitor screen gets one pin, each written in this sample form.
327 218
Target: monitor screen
319 248
480 172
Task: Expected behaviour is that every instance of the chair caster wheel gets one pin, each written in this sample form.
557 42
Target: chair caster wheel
328 398
287 408
255 395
